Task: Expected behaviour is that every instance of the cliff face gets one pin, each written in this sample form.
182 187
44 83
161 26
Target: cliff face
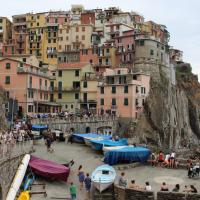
172 115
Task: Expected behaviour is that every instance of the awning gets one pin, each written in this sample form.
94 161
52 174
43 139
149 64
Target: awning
47 103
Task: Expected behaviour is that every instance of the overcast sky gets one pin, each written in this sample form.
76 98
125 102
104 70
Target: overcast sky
182 17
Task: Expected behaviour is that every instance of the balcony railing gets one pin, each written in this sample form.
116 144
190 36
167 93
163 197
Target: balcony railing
39 73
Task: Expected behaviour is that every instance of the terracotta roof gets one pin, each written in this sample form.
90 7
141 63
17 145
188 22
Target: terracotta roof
75 65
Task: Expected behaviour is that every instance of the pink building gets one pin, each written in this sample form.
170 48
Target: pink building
26 84
125 49
122 93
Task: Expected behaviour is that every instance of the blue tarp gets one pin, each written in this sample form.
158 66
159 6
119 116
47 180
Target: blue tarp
39 127
98 144
80 137
127 154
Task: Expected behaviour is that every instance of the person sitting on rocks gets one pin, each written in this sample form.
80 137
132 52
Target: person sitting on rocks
160 158
166 161
164 187
191 189
153 160
176 188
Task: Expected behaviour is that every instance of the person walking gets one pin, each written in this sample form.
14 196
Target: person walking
73 191
122 180
88 185
81 176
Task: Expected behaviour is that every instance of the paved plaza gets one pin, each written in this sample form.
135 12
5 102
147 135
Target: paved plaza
90 159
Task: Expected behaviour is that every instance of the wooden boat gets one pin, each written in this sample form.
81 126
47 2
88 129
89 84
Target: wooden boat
103 177
19 176
24 195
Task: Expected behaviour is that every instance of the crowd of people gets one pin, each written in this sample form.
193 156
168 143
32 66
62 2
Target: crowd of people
147 187
169 160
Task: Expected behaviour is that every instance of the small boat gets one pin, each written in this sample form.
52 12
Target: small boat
98 145
24 195
105 149
103 177
29 181
98 138
49 169
127 154
86 137
19 176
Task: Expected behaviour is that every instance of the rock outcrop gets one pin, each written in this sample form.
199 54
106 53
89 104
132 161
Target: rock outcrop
172 116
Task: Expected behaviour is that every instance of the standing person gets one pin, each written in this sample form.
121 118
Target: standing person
48 143
122 180
81 176
160 158
73 191
88 185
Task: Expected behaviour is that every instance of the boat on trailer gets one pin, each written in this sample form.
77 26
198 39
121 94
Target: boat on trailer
103 177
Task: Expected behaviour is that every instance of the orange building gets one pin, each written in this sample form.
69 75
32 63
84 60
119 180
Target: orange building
27 84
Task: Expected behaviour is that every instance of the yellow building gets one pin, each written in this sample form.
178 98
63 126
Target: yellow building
74 37
5 30
36 38
75 86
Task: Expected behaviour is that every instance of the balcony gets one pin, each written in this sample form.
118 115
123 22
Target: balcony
21 70
113 107
67 89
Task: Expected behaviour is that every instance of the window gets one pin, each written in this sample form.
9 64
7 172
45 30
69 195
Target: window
83 29
114 102
85 97
38 24
24 59
151 52
40 82
59 85
83 37
7 65
136 90
66 106
134 77
143 102
102 90
49 40
7 80
85 84
54 40
113 89
59 95
30 108
77 37
67 38
126 89
45 83
76 72
60 73
77 29
76 95
136 102
107 50
141 42
60 31
126 101
72 106
102 102
38 17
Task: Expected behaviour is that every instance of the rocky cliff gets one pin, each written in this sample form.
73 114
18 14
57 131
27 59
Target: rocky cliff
172 116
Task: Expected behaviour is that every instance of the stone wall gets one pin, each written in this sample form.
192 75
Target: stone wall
10 158
178 196
130 194
80 125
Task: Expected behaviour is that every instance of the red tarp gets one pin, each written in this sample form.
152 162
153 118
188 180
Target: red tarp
49 169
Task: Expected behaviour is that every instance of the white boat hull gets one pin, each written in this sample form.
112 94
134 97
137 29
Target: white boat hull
102 186
19 176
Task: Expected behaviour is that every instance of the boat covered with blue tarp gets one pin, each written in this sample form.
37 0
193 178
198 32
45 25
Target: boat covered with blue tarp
99 144
80 137
127 154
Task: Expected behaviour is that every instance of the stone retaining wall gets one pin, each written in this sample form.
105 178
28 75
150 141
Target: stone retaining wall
130 194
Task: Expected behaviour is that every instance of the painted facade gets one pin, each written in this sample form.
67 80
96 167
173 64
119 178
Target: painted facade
123 93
